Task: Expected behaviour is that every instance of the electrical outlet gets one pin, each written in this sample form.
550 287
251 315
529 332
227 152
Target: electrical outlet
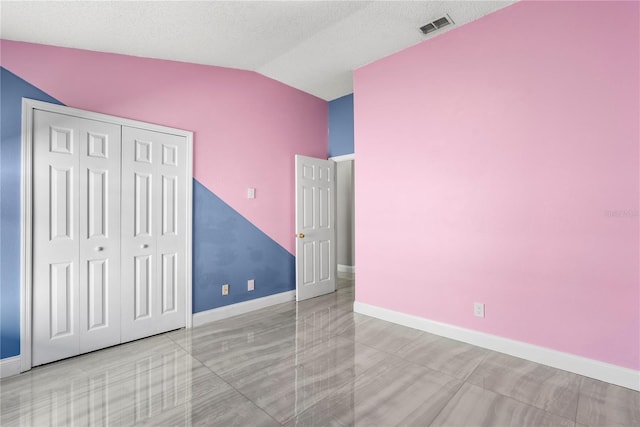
225 289
251 284
478 309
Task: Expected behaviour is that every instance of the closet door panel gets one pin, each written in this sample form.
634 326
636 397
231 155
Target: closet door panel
76 236
138 236
99 149
172 233
55 237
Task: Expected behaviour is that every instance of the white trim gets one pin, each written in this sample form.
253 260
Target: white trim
62 109
613 374
346 268
343 158
10 366
25 236
242 307
26 244
189 215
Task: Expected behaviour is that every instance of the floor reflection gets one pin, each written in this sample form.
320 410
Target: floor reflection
93 390
313 363
271 365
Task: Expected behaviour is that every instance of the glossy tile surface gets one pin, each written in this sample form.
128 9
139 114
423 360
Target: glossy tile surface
288 388
394 392
445 355
603 404
315 363
549 389
473 406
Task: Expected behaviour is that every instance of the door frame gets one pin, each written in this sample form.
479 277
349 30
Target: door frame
339 159
26 195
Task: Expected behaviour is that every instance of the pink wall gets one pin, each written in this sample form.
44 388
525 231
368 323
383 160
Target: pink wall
247 127
498 163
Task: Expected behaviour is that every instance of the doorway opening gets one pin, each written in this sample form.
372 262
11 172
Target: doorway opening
345 216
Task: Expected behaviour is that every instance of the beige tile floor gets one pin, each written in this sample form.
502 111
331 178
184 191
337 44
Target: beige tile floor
307 364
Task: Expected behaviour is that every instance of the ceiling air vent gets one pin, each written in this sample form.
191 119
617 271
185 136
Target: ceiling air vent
436 25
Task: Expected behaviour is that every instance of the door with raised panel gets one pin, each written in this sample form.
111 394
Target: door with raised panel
153 232
76 236
315 227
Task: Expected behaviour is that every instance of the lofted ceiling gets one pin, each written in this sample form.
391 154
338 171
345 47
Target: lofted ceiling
311 45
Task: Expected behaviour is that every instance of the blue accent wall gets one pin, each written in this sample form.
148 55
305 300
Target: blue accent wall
341 126
227 248
12 89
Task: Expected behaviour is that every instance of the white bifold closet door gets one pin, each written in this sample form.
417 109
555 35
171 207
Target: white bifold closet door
152 201
108 234
76 236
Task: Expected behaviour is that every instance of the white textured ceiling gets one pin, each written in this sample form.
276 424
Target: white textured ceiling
311 45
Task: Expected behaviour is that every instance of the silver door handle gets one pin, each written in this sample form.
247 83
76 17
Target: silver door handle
99 248
144 246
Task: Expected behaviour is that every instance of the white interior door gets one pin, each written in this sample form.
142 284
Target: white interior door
76 236
315 225
154 231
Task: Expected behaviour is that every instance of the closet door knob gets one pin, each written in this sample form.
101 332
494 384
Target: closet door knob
144 246
99 248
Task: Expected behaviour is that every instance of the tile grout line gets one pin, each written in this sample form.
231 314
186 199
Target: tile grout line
518 400
284 317
575 419
453 395
465 380
231 385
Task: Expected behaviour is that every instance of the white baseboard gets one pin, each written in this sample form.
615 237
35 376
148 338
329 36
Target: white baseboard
10 366
346 268
242 307
602 371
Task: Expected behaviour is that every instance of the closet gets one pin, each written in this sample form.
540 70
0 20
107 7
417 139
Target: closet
110 232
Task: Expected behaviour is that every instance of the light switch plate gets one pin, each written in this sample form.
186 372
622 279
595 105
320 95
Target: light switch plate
251 193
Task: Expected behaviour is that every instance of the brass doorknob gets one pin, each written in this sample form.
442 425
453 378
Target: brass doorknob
301 235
